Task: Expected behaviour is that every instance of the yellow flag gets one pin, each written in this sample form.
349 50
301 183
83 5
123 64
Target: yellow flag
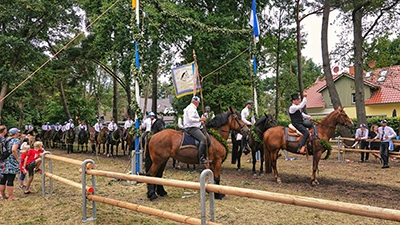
133 4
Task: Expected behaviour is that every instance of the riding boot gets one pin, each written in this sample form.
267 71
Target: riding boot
202 151
244 146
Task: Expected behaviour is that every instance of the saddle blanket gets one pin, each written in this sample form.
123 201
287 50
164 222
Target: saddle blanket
189 141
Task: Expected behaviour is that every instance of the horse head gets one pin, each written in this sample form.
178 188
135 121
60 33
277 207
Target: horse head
342 118
270 121
239 125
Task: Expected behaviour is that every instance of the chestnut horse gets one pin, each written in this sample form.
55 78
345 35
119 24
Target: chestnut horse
274 140
166 144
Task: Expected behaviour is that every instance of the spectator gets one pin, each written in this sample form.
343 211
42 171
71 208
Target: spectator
386 133
361 137
32 162
22 174
371 135
10 167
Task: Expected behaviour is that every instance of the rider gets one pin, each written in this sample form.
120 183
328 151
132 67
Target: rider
192 124
97 128
127 126
208 114
82 128
248 118
297 116
27 127
69 125
112 127
57 127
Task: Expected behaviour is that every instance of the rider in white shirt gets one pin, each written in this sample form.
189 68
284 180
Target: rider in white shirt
112 126
146 124
248 118
69 125
82 127
127 126
28 127
97 128
57 127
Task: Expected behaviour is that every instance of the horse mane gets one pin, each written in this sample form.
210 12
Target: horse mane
326 119
260 121
219 120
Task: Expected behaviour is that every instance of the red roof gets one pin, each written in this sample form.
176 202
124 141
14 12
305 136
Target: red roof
387 91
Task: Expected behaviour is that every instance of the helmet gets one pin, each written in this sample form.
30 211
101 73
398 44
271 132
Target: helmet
57 123
249 102
65 122
307 123
70 120
151 114
47 123
207 108
28 123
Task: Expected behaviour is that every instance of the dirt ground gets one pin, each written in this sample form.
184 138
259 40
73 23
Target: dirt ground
352 182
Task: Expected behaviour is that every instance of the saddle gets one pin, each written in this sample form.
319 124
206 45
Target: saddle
293 135
188 141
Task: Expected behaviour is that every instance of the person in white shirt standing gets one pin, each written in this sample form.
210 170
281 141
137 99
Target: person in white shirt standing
248 118
192 123
386 134
361 137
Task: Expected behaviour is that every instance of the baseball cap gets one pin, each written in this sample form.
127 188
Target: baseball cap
195 98
383 121
363 125
14 131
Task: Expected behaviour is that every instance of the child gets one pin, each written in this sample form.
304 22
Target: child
22 175
32 162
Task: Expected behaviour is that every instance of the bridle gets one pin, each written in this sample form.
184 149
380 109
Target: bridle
242 126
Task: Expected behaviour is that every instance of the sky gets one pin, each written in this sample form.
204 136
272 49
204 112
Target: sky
312 25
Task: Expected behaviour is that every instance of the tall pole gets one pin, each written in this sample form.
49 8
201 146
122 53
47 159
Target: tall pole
137 154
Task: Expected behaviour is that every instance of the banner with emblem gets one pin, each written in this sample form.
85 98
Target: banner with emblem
184 80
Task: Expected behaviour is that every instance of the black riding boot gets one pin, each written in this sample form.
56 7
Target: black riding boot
202 151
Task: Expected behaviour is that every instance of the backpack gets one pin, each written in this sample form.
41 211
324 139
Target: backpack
4 153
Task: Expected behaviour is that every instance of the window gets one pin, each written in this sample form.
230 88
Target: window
368 74
353 98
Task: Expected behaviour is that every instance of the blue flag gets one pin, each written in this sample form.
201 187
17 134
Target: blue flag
137 63
254 21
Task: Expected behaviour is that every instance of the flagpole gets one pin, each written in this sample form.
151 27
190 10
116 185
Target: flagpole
256 32
137 152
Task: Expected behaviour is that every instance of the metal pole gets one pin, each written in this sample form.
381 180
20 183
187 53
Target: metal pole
43 175
84 200
206 173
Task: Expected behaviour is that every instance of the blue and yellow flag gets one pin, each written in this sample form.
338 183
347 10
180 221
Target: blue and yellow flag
184 80
133 4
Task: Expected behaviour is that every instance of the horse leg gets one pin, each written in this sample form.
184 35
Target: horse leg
316 157
154 170
261 162
254 161
108 150
216 168
239 156
273 157
160 188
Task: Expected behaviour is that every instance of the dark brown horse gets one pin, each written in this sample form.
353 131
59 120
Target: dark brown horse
255 139
166 144
274 140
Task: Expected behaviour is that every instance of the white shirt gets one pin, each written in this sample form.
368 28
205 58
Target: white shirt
98 127
128 124
191 117
207 114
147 124
112 127
82 127
69 125
386 134
63 128
362 134
180 123
28 127
246 113
57 127
293 108
44 127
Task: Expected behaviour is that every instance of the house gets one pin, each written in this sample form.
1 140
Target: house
381 93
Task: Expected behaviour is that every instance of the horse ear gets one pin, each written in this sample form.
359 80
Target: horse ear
340 108
265 115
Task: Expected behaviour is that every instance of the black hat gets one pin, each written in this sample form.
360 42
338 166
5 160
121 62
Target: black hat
295 96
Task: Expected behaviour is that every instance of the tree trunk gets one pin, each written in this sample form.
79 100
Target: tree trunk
3 93
277 95
154 91
299 62
64 100
326 64
358 65
115 95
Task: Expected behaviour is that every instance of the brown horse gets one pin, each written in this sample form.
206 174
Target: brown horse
274 140
166 144
102 139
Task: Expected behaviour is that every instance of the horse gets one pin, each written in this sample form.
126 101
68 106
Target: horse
113 140
166 144
255 139
69 140
57 135
47 137
102 140
157 126
274 140
92 139
83 140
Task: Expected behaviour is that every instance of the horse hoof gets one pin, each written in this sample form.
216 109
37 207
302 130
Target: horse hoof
153 197
219 196
278 180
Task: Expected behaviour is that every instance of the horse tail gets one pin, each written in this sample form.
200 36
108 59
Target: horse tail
147 158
